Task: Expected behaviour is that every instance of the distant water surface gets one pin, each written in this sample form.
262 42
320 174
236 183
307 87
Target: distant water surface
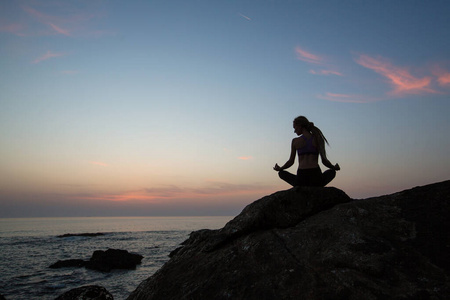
28 246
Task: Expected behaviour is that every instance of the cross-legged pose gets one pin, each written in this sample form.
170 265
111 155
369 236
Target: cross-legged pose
309 144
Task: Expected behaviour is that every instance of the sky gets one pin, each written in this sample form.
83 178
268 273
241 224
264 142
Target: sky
182 108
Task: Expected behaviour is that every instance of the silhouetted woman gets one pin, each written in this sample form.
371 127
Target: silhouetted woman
309 145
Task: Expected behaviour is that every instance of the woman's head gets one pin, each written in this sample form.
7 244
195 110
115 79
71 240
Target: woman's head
303 122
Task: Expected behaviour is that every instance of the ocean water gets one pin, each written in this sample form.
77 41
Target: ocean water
29 246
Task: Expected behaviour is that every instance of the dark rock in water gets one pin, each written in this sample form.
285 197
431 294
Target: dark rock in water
110 259
89 292
80 234
103 261
315 243
69 263
2 297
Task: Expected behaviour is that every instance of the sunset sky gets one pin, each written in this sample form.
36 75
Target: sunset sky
146 108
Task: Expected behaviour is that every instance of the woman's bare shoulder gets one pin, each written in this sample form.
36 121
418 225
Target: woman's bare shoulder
298 142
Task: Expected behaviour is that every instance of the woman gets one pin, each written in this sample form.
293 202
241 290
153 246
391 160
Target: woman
309 145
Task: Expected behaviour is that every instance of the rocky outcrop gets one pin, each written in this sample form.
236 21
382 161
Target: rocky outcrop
89 292
110 259
316 243
103 261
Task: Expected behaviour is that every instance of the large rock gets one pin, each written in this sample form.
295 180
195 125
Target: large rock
314 243
110 259
89 292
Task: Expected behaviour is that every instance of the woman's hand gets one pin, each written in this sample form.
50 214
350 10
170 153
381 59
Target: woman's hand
277 168
337 167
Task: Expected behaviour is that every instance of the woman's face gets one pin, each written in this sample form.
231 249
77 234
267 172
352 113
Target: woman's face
297 129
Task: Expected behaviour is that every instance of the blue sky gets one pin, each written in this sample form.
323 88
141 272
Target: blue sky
183 107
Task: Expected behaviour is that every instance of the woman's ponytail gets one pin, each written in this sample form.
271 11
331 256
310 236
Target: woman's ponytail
316 132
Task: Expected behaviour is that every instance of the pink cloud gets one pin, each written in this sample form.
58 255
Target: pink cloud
245 157
46 56
444 79
65 19
47 19
443 76
400 78
97 163
14 28
325 72
308 57
59 30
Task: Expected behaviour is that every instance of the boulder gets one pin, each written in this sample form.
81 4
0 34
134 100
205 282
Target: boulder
316 243
89 292
110 259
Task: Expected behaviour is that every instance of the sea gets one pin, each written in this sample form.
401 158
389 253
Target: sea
29 246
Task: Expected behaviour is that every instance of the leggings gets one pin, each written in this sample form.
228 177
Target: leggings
308 177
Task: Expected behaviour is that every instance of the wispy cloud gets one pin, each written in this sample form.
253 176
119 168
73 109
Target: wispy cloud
13 28
47 56
245 17
401 79
49 20
59 29
444 79
442 75
308 56
245 157
325 72
43 18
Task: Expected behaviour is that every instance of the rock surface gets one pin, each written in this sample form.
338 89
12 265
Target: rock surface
316 243
110 259
89 292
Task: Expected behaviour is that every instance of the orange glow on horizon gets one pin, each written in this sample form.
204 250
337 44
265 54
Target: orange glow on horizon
175 193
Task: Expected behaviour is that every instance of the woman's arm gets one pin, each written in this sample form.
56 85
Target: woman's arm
291 160
327 163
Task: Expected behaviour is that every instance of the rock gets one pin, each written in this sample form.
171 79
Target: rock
2 297
110 259
89 292
315 243
69 263
279 210
80 234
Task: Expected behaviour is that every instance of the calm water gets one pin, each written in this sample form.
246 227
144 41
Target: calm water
29 246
